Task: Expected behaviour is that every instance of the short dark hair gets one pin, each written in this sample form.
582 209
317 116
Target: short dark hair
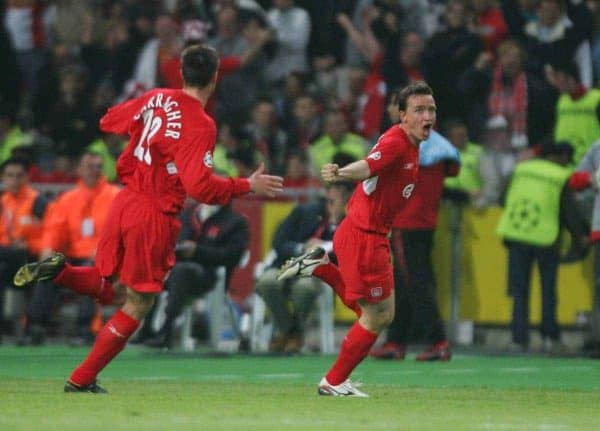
419 88
452 123
199 64
19 161
346 187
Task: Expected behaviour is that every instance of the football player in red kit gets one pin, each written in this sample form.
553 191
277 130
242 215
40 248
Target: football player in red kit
169 156
364 278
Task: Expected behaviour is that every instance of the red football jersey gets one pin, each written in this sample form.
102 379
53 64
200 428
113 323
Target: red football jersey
169 154
421 211
394 164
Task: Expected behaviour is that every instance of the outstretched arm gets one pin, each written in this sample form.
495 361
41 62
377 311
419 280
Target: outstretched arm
355 171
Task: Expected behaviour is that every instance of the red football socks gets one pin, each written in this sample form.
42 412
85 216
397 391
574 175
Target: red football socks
331 275
111 339
86 280
355 348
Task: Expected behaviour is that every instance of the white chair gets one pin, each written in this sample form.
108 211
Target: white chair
218 303
261 331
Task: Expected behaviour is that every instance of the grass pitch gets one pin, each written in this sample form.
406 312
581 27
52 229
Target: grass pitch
158 391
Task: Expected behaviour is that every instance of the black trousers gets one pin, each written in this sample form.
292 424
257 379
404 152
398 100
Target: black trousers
417 315
44 301
188 280
521 258
11 259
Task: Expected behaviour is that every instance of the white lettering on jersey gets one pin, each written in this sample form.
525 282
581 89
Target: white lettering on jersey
171 168
208 160
171 119
407 190
152 125
172 134
375 156
369 185
408 166
173 129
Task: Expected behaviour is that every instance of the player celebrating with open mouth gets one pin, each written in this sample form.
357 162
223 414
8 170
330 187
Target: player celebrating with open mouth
364 278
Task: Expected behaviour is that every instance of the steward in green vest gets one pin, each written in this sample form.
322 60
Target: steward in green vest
577 109
538 203
336 140
532 209
109 147
468 179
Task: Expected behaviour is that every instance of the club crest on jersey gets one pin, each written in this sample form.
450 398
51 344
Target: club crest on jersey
407 191
376 292
375 156
208 159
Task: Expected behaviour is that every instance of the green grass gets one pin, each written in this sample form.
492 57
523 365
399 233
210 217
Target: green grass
150 391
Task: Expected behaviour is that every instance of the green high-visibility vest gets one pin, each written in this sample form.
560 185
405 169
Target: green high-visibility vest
577 122
323 150
468 178
532 210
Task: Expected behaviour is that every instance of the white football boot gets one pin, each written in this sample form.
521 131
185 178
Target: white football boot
303 265
344 389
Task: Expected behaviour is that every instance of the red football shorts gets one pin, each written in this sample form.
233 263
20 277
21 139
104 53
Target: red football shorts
137 242
365 263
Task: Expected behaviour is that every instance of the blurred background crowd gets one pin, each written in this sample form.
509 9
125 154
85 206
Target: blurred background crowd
300 80
301 83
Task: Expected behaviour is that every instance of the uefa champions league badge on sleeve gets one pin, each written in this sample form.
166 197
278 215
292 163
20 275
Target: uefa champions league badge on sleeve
208 159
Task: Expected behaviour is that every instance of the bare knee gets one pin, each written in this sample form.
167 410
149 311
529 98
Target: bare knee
376 317
138 304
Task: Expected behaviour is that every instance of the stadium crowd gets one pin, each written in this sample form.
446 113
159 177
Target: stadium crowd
301 83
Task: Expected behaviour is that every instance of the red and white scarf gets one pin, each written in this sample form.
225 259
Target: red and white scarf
511 104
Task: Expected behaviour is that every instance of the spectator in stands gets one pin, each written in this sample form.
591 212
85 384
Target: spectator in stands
74 20
70 121
488 24
10 78
165 47
337 139
538 203
368 108
306 123
308 225
291 26
11 134
25 24
295 85
577 109
297 171
561 31
447 54
22 210
403 62
234 153
109 147
72 226
212 236
241 75
512 106
110 60
266 136
594 7
468 180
